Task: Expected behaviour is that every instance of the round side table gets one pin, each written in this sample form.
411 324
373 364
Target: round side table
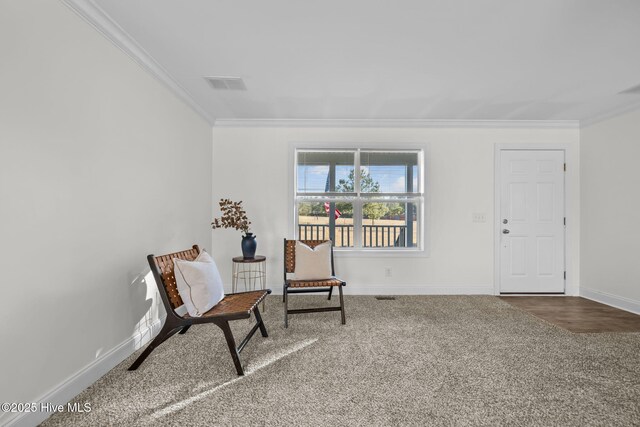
251 271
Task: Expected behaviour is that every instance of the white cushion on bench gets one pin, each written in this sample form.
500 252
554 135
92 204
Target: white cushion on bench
199 283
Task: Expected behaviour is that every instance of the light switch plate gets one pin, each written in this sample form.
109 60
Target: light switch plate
479 217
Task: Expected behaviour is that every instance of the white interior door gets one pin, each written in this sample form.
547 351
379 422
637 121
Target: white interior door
532 221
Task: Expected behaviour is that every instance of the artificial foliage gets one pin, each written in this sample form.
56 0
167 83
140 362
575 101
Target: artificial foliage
233 216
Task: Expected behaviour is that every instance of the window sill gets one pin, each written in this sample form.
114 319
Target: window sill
380 253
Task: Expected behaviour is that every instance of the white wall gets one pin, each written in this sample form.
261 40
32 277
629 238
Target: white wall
252 164
100 165
610 237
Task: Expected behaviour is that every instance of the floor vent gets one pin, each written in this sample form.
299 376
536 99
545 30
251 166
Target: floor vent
386 298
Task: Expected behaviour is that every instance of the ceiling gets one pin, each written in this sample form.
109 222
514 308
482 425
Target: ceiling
401 59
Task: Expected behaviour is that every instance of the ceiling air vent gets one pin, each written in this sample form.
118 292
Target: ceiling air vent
226 83
635 90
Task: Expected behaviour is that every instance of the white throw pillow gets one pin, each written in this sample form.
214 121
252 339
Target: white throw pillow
199 283
313 263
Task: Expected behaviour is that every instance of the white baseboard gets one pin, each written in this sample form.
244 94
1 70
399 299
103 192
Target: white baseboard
622 303
408 289
76 383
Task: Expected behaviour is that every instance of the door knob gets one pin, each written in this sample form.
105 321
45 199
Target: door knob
505 231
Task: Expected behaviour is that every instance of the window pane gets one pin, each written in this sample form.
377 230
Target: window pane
344 179
313 222
386 225
315 167
389 172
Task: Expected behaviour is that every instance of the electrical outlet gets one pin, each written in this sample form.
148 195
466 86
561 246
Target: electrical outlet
387 272
479 217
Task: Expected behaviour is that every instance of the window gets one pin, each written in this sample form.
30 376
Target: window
362 199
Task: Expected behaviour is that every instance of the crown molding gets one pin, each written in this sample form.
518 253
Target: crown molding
610 114
95 16
397 123
102 22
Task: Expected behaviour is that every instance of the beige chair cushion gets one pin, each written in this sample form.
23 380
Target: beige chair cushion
313 263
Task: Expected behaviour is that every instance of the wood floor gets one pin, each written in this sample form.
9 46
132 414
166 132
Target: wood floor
577 314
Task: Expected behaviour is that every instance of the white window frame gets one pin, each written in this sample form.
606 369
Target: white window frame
421 198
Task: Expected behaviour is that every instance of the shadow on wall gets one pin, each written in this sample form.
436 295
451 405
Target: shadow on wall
144 313
145 308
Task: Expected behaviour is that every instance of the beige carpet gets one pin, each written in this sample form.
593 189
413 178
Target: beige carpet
428 360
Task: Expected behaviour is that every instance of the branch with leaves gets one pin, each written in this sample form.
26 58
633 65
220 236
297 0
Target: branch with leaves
233 216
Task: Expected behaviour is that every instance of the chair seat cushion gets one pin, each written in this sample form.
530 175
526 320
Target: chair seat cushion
314 283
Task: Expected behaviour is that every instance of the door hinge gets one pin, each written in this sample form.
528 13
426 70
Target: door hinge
565 221
565 167
565 275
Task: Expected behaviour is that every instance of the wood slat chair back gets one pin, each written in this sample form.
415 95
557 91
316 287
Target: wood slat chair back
292 286
232 307
164 266
290 254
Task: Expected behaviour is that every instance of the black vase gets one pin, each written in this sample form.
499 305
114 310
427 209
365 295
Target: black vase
249 246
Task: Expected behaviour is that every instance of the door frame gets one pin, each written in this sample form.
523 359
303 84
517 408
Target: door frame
572 221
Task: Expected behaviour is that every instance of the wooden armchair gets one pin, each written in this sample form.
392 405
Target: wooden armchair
292 286
231 307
